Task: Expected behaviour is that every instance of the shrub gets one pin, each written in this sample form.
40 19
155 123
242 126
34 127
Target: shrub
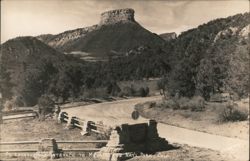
146 90
170 104
45 106
18 101
8 106
196 103
128 91
132 91
183 103
113 89
233 113
95 93
143 92
13 103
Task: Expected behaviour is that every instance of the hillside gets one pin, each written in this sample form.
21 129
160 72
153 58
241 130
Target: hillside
31 66
30 69
117 32
212 58
209 59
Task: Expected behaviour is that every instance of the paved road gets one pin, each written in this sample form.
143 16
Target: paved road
118 112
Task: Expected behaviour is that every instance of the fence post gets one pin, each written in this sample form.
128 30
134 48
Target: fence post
84 128
69 124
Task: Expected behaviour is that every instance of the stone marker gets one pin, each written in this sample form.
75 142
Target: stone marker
127 141
48 149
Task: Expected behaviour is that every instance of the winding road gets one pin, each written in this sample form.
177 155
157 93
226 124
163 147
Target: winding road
119 112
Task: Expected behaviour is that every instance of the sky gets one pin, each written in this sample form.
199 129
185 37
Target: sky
35 17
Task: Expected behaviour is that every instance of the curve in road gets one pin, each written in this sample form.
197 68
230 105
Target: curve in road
119 112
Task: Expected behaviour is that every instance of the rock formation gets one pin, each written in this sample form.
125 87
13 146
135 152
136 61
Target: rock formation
115 16
244 33
117 31
61 39
231 31
168 36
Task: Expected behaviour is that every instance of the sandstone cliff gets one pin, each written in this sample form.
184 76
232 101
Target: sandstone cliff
117 31
168 36
115 16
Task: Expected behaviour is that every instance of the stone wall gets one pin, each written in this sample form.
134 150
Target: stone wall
127 141
114 16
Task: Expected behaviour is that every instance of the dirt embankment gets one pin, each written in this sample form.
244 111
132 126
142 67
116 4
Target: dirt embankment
204 121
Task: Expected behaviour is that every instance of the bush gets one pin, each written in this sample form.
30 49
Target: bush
170 104
13 103
95 93
196 103
45 106
183 103
143 92
132 91
8 106
233 113
128 91
113 89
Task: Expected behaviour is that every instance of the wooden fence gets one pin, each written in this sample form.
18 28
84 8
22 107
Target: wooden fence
86 126
70 146
33 150
32 114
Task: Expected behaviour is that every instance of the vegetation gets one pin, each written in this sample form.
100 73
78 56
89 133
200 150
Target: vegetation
196 103
45 106
233 113
192 64
204 61
5 84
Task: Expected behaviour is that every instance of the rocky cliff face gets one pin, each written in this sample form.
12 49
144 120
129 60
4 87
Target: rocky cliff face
117 31
168 36
115 16
58 41
61 40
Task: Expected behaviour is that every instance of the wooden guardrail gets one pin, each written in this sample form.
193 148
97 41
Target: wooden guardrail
83 141
16 143
86 126
19 142
18 150
19 116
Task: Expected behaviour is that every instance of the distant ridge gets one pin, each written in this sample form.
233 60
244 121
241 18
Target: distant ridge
117 31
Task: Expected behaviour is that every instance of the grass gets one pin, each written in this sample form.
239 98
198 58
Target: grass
196 103
32 129
196 117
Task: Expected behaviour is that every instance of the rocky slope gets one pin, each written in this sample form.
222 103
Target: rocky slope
117 32
58 41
